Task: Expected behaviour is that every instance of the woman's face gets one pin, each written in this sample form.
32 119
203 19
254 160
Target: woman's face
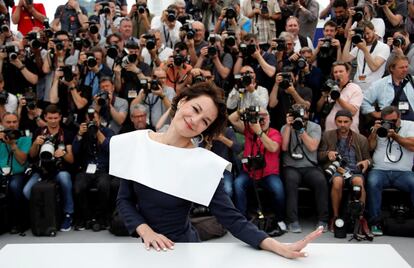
194 116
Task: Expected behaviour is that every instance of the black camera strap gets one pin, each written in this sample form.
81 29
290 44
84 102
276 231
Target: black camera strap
389 149
9 158
370 51
300 145
398 94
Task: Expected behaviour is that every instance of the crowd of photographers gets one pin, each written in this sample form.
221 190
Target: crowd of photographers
326 117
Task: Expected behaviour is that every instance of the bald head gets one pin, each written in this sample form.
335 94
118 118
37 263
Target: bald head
199 31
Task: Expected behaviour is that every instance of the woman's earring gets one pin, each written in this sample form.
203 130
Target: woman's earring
198 139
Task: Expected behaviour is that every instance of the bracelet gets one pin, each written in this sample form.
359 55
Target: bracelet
162 96
260 133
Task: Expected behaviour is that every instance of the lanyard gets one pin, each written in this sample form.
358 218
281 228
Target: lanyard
167 36
370 51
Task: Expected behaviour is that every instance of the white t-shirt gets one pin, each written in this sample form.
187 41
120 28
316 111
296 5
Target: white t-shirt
381 50
11 105
379 27
163 54
382 162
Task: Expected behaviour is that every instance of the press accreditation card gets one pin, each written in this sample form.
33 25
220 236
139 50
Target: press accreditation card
91 169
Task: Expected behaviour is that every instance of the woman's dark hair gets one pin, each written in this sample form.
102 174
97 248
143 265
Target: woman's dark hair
208 89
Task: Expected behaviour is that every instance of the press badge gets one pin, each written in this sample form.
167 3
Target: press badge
403 106
132 94
362 77
91 169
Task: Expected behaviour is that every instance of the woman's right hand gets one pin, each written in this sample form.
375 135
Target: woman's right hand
153 239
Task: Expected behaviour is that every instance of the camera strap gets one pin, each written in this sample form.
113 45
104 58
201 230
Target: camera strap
389 149
167 36
370 51
9 159
398 94
300 145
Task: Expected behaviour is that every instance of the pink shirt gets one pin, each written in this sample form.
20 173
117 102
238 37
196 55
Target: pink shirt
352 94
271 159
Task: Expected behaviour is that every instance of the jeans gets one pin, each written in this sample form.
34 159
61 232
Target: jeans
228 183
65 182
16 184
270 182
380 179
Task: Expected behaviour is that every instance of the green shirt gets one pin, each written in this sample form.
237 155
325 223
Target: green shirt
7 158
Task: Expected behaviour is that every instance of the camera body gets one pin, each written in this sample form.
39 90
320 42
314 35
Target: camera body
326 47
247 50
333 87
188 29
103 98
243 81
58 44
399 41
255 162
281 44
287 80
251 115
12 134
230 40
130 58
171 15
382 2
358 37
33 40
93 28
198 79
150 41
179 60
48 31
359 14
264 9
230 13
47 150
298 114
11 51
4 95
67 72
105 8
301 63
386 125
141 8
30 98
355 207
112 51
339 162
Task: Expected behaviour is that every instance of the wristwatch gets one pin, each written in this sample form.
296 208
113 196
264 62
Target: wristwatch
260 133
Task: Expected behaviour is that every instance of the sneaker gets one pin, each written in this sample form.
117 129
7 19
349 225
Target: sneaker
80 226
67 223
282 226
295 227
324 225
376 230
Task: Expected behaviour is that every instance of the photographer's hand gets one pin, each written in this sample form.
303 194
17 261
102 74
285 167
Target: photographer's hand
332 155
255 127
364 164
83 128
294 57
60 152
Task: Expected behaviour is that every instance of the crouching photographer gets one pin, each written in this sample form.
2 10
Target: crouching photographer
91 149
260 160
344 154
51 152
13 162
301 139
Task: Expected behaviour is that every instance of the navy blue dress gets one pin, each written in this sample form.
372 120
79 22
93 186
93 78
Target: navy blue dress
169 215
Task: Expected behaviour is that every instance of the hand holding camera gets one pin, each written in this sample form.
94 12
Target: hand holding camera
40 140
83 128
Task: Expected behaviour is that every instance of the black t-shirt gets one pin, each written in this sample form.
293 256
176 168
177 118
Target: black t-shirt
14 81
131 80
262 79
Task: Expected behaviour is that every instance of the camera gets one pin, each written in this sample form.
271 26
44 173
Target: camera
3 22
30 98
92 128
131 58
247 50
179 60
171 15
78 43
150 41
243 81
154 85
355 207
298 114
58 44
33 38
230 40
211 51
339 162
287 80
11 50
281 44
198 79
112 51
67 72
12 134
358 36
325 48
301 63
144 85
399 41
230 13
4 95
333 87
188 28
105 8
359 14
256 162
103 98
263 7
47 150
93 28
91 61
48 31
382 2
251 114
386 125
141 8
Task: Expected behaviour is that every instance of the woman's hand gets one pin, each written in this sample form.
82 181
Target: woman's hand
290 251
153 239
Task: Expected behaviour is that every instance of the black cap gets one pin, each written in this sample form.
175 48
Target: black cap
132 44
343 113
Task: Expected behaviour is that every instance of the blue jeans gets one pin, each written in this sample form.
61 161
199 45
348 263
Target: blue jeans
228 183
272 183
16 185
65 182
380 179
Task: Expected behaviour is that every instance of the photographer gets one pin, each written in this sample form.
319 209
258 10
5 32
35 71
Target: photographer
28 16
293 27
232 20
307 11
392 140
211 11
392 12
112 109
138 119
107 16
262 62
283 49
129 69
157 96
197 42
177 69
370 53
70 17
121 7
400 44
125 29
344 154
52 152
91 149
284 94
169 26
328 49
19 71
341 17
261 155
339 94
301 139
13 163
395 89
141 18
8 101
29 113
154 51
215 59
246 92
263 14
